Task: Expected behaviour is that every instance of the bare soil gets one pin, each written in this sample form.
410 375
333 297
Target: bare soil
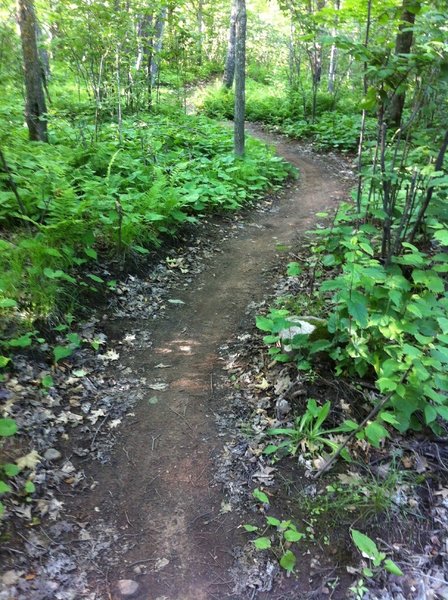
159 487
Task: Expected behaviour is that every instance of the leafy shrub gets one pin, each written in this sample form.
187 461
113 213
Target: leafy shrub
79 193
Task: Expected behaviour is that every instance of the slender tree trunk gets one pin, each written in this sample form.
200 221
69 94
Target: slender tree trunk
403 45
35 109
229 70
363 119
158 42
200 26
333 54
240 77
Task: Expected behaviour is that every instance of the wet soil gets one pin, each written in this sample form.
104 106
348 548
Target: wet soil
159 487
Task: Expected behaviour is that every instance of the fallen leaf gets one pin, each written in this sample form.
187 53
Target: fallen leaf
29 461
176 301
264 385
109 355
158 386
114 423
153 400
162 366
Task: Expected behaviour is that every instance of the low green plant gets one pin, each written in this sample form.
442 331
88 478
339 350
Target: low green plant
8 427
308 432
369 550
277 536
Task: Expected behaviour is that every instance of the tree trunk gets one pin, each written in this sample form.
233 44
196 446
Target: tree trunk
403 44
333 53
229 70
240 76
158 42
200 27
35 109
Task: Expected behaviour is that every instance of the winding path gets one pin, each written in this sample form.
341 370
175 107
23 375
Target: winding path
160 484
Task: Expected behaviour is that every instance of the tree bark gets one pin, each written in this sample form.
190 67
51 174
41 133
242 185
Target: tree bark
35 108
229 70
403 44
240 77
158 42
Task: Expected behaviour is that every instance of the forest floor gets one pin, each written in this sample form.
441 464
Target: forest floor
158 516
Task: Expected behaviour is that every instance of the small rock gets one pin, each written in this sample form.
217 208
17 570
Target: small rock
127 587
52 454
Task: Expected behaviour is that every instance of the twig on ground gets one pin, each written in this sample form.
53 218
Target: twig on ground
370 416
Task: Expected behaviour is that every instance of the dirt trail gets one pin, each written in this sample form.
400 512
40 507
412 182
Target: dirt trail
160 486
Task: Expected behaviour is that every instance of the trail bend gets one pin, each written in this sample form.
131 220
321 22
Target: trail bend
159 487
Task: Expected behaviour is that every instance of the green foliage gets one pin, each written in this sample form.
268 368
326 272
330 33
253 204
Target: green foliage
336 125
283 533
308 433
369 550
83 197
388 323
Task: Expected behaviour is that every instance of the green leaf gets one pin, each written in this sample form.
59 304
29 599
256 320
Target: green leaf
4 488
95 278
8 427
390 566
375 433
91 252
264 324
4 360
262 543
60 352
11 470
261 496
30 488
21 342
7 303
288 561
294 269
270 449
250 528
358 310
47 381
273 521
365 545
292 536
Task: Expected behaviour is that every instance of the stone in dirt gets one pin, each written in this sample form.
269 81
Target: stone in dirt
52 454
127 587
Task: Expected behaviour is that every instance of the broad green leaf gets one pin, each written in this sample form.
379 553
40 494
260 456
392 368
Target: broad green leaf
288 561
358 310
261 496
47 381
11 470
4 488
294 269
375 433
390 566
60 352
7 303
365 545
292 536
8 427
30 488
250 528
273 521
262 543
4 360
264 324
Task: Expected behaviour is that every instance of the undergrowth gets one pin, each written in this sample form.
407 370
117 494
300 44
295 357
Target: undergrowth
89 192
335 126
